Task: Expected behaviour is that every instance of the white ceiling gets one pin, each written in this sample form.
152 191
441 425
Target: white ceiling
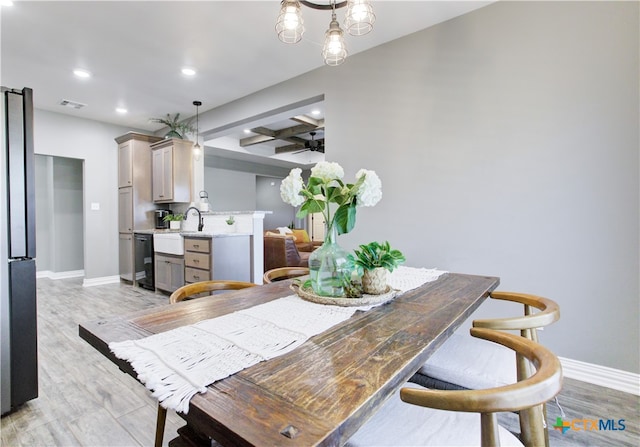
136 49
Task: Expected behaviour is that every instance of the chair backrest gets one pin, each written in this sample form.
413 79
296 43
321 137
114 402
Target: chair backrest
191 291
282 273
531 420
549 312
529 393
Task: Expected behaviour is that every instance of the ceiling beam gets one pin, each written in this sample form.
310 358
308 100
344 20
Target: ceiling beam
286 134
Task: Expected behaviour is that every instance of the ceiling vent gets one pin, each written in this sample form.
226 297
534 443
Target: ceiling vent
72 104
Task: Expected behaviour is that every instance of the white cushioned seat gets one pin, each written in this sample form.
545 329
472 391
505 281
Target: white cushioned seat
400 424
471 363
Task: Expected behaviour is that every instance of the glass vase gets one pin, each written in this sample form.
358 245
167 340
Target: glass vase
328 269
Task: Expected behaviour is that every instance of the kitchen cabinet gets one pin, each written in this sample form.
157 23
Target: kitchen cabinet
125 210
172 169
197 259
169 272
135 202
126 256
221 257
125 164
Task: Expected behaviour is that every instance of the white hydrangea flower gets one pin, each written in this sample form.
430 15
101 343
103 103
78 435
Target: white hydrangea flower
291 186
327 171
370 192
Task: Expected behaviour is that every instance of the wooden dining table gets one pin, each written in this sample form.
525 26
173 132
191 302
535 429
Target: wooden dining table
320 393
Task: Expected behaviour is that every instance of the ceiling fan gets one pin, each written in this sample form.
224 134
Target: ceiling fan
313 145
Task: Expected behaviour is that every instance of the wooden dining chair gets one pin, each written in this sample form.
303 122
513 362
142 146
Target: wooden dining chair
204 288
424 423
464 362
282 273
192 291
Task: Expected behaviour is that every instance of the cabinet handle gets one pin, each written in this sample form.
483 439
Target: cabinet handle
196 261
196 246
196 277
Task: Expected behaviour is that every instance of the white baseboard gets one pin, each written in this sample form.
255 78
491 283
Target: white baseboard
101 281
601 375
59 275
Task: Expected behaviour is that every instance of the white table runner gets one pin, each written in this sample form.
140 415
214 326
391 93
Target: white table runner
177 364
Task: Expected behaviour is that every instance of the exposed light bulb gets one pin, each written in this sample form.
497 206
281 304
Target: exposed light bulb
197 152
290 25
291 20
359 17
334 50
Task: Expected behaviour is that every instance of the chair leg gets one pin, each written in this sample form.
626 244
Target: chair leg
532 427
162 417
489 430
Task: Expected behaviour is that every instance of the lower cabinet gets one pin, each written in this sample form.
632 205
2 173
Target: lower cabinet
169 274
126 256
218 258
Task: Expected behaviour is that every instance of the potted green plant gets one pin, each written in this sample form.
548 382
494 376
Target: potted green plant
176 129
373 262
174 220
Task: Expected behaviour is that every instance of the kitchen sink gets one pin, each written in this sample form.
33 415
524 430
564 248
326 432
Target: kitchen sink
170 243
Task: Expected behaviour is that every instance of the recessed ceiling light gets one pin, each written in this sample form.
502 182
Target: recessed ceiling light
188 71
6 3
315 112
247 131
121 110
79 72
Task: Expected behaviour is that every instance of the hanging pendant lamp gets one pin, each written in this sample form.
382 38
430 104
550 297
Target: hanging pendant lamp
290 25
334 51
197 149
359 17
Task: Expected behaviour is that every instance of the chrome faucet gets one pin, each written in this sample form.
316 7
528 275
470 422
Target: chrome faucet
200 219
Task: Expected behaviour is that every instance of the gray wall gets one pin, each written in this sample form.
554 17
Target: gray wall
507 144
230 190
44 210
59 214
93 142
268 198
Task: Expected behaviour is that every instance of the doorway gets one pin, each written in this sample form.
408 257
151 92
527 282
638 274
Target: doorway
59 217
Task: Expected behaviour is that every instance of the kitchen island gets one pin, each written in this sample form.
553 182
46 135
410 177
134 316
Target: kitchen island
222 250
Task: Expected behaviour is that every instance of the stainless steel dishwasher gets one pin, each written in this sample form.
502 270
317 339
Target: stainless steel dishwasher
143 253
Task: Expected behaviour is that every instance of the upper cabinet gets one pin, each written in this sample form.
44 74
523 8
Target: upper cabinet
172 167
125 164
135 205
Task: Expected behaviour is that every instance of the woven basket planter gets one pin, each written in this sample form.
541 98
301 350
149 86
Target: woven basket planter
374 282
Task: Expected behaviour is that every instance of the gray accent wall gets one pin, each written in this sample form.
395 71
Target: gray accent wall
507 142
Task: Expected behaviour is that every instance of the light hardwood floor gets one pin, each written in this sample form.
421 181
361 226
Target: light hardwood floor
86 401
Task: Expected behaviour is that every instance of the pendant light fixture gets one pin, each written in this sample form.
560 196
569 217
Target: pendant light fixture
334 51
359 17
359 20
290 25
197 149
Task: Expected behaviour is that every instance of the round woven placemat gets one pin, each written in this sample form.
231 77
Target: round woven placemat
306 293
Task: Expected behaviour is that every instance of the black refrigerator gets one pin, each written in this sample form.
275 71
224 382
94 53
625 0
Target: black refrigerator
18 321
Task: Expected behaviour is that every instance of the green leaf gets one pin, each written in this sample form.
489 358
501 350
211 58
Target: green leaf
345 218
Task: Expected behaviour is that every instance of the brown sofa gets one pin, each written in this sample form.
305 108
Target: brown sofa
281 251
301 239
